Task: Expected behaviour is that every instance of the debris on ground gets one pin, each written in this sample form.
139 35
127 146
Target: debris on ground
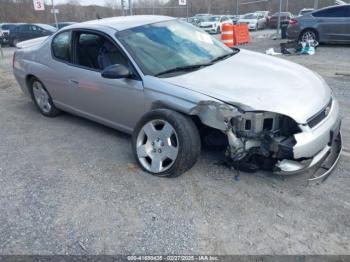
82 245
342 73
271 51
280 215
132 167
299 48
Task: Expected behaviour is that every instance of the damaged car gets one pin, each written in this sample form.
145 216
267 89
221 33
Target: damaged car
175 89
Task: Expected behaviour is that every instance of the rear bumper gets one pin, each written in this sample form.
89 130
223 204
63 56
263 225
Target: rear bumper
4 40
293 32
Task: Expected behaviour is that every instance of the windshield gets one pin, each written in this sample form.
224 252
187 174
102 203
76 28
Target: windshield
282 14
168 45
47 27
250 16
214 19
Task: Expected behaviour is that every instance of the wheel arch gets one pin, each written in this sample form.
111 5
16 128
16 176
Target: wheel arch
309 29
28 78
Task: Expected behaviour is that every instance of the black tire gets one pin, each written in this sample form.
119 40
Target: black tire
54 111
309 31
188 140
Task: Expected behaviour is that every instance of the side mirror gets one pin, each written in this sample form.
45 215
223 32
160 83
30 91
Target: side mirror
116 72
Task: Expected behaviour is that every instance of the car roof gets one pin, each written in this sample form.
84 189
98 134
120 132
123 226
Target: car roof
123 22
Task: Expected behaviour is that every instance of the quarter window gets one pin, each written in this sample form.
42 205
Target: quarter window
340 11
61 46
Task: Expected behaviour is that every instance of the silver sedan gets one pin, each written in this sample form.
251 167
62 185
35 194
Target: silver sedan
175 88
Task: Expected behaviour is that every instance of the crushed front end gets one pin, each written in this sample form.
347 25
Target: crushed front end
274 142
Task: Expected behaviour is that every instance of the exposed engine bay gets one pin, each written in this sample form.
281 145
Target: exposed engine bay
255 140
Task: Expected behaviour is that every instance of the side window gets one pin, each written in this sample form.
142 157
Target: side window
97 52
61 46
339 11
23 28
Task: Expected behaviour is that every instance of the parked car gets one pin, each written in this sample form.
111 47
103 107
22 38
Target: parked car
62 24
202 15
5 32
234 18
213 24
24 32
285 17
330 24
305 11
266 14
254 21
117 72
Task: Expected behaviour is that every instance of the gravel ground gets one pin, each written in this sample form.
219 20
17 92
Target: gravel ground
70 186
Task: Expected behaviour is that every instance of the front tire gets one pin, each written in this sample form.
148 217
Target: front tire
42 98
166 143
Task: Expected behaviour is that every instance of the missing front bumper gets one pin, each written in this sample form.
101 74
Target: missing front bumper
320 165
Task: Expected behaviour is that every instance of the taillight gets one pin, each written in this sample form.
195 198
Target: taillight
293 21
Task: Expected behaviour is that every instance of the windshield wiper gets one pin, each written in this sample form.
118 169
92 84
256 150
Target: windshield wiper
223 57
183 68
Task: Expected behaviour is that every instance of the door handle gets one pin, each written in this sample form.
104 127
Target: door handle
75 82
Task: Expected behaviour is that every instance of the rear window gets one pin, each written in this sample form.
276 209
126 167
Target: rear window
61 46
339 11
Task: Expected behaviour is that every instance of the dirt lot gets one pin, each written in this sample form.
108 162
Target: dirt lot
70 186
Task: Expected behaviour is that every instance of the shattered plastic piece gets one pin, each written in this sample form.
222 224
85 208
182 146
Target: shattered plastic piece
271 51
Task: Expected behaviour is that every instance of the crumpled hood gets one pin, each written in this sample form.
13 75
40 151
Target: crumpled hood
262 83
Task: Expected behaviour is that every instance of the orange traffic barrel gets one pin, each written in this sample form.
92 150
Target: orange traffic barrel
227 35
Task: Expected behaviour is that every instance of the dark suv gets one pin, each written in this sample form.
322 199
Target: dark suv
29 31
330 24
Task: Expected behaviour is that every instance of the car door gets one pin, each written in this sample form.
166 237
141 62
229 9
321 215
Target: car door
333 24
116 102
23 32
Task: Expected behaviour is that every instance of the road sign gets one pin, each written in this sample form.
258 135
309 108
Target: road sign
55 11
182 2
39 5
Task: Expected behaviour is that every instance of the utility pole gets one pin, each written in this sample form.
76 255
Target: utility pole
279 19
316 4
237 6
54 13
123 7
152 7
287 5
130 7
209 6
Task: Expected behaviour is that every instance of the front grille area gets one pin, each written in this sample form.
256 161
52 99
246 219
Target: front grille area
316 119
205 26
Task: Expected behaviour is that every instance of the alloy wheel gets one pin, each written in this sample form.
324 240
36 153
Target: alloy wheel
157 146
308 36
41 97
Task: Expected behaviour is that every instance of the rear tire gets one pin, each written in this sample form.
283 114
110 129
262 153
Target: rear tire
166 143
308 35
42 98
